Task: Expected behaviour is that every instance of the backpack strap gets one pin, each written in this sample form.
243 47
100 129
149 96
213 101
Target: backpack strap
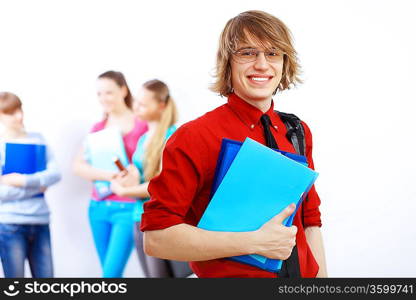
295 131
296 136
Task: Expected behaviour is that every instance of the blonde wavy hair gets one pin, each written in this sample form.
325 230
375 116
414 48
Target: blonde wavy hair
265 29
153 152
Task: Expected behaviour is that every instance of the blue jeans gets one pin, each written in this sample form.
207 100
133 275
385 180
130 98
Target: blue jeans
112 228
19 242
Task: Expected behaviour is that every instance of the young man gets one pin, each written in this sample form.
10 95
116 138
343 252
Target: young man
24 212
255 59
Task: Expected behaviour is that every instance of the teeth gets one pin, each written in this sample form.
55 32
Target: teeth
259 78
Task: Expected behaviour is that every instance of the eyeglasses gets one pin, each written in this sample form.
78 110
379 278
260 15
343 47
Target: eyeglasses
250 54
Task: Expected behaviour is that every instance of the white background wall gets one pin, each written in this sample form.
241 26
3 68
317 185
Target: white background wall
358 98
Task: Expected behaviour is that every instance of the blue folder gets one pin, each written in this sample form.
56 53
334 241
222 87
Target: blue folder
101 149
24 159
229 149
280 181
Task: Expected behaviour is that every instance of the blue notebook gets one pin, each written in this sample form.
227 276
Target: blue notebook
101 149
284 180
229 149
24 159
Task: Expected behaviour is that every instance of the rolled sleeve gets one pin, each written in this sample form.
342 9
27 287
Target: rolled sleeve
172 192
311 212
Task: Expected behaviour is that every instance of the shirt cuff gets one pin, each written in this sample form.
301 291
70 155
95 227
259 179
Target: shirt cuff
159 219
312 221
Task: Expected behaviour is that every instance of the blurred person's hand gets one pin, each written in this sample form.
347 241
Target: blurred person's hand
109 175
14 179
117 188
131 178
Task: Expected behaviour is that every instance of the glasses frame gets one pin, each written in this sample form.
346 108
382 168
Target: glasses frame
242 60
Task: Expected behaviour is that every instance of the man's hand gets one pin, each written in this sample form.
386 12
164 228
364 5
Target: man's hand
14 179
275 240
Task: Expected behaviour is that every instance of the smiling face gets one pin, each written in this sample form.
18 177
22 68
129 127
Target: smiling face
147 107
110 95
257 80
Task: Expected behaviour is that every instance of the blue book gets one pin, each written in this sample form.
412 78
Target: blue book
279 182
229 149
24 159
102 147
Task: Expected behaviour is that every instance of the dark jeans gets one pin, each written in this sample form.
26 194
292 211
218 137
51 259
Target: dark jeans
155 267
19 242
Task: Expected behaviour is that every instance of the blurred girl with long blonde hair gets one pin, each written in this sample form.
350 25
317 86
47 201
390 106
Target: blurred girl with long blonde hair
155 106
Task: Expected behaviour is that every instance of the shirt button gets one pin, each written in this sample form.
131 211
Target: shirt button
252 126
275 127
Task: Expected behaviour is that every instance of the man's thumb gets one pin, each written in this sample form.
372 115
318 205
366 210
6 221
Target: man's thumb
288 211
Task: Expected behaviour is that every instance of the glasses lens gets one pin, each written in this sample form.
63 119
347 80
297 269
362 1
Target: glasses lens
273 55
246 55
250 55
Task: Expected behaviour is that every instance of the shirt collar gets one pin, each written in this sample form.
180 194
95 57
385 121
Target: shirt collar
249 114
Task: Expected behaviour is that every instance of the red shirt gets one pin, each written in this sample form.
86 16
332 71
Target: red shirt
181 192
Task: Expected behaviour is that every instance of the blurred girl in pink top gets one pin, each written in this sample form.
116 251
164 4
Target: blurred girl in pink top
111 218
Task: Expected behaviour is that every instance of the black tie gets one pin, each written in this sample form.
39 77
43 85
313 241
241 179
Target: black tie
270 141
290 267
